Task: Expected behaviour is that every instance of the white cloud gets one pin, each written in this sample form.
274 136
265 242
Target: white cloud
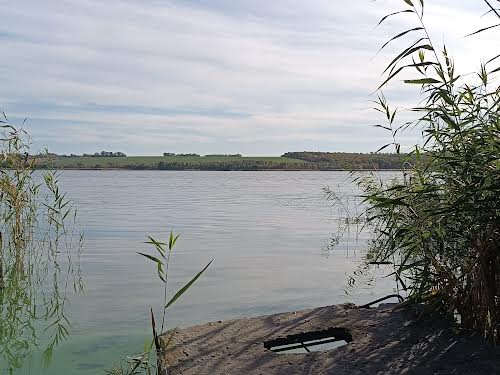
217 77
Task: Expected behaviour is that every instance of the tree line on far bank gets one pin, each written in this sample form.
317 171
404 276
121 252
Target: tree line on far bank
349 161
288 161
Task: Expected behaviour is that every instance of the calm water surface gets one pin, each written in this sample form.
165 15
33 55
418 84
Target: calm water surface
267 231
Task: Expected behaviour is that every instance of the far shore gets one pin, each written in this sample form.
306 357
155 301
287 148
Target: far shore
229 170
290 161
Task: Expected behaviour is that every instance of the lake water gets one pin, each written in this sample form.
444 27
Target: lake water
268 233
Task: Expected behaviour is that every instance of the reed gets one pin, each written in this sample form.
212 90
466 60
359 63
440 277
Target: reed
438 227
147 362
39 255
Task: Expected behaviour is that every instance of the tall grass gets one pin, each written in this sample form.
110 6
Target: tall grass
38 254
439 226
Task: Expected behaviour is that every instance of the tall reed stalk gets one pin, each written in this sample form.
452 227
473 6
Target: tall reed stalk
144 362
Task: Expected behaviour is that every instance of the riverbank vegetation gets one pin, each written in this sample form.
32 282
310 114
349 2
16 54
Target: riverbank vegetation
39 255
349 161
438 227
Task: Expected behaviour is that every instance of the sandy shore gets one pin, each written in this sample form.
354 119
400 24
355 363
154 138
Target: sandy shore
384 341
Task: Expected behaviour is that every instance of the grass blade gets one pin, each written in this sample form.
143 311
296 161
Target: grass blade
187 286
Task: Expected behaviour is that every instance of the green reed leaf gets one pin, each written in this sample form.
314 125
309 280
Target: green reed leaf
399 36
187 286
422 81
395 13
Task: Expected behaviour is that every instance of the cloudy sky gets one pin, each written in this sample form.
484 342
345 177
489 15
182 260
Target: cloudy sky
211 76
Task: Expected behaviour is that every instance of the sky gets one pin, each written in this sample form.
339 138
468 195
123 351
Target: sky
214 76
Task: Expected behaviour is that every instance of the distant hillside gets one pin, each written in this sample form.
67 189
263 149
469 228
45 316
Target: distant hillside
222 162
177 162
349 161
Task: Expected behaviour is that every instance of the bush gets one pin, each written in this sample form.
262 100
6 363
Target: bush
439 226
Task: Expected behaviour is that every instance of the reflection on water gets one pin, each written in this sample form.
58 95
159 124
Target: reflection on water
265 230
39 263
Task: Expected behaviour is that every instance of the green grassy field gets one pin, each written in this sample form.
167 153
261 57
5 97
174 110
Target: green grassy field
289 161
174 162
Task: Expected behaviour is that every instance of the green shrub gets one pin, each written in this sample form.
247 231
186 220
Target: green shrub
439 226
